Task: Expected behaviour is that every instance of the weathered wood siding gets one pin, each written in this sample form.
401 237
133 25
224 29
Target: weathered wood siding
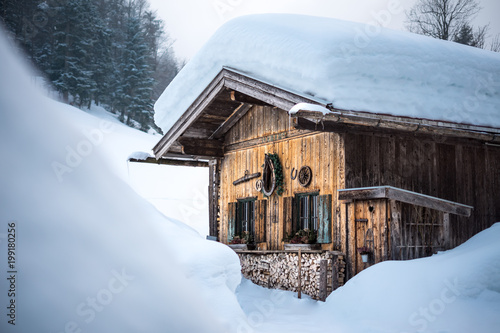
464 173
422 232
367 226
467 173
266 130
392 230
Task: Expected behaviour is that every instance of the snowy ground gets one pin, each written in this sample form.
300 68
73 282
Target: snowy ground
454 291
91 255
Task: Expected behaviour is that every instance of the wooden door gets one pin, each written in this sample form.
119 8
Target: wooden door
363 226
274 218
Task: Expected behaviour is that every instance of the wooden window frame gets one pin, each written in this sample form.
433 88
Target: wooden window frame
312 213
291 219
241 205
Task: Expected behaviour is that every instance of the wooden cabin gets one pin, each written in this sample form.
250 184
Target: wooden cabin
396 186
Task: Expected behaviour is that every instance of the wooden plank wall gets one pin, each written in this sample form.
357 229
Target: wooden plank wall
367 222
468 174
266 130
392 231
422 232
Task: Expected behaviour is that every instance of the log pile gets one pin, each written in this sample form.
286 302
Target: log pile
280 270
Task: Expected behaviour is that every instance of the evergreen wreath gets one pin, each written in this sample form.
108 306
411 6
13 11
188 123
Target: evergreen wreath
278 173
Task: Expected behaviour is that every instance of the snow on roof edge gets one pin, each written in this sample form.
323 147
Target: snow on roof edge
396 73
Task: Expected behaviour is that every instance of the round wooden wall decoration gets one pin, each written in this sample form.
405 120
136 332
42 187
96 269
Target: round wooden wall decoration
258 185
305 175
268 177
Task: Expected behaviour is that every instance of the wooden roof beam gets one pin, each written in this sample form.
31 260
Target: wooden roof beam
189 116
231 121
171 161
202 147
242 98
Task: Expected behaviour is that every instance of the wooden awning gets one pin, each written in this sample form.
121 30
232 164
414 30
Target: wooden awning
398 194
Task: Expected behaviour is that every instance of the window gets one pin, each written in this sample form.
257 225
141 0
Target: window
247 215
245 221
308 211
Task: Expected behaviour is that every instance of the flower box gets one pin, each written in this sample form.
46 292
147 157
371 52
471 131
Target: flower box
296 247
242 247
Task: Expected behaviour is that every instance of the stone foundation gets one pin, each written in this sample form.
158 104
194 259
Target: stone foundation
279 270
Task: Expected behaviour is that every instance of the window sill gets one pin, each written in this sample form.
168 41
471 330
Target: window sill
242 247
307 247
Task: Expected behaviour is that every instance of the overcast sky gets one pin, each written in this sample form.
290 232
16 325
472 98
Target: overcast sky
191 22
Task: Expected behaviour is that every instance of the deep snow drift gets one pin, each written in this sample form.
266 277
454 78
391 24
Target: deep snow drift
90 254
454 291
457 291
351 65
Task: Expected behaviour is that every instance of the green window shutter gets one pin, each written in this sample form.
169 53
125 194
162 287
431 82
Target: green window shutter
289 216
238 229
325 218
231 220
260 221
295 214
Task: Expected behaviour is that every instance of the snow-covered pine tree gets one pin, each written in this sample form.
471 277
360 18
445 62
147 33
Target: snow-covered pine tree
102 59
75 37
136 79
20 18
87 50
466 35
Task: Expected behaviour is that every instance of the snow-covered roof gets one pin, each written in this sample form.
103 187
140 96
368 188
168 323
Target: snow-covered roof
350 65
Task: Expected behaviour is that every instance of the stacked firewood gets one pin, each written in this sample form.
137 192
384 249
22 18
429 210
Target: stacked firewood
280 270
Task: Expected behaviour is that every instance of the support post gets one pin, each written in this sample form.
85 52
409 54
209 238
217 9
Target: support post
395 211
300 275
213 197
446 230
335 272
323 266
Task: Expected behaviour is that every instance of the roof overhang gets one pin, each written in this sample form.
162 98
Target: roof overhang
342 121
198 134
